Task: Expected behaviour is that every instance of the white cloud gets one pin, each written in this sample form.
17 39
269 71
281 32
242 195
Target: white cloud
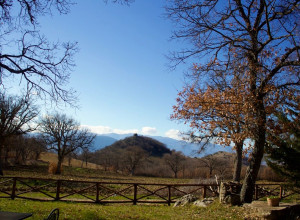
175 134
106 130
172 133
149 130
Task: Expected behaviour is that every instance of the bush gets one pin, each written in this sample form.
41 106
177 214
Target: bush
53 168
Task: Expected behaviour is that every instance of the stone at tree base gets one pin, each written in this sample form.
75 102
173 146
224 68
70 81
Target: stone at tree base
185 200
260 210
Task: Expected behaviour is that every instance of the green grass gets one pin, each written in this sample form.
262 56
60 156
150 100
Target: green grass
70 210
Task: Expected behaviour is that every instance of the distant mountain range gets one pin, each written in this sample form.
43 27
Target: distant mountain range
189 149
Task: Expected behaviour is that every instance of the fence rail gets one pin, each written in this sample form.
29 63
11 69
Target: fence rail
113 192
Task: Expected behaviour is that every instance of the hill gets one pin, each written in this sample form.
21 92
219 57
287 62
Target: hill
151 146
188 149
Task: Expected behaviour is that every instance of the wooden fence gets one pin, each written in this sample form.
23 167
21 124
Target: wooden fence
113 192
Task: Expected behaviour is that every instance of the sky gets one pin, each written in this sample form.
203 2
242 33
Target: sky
121 74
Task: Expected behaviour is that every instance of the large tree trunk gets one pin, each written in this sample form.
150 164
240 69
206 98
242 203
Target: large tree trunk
251 173
238 162
248 187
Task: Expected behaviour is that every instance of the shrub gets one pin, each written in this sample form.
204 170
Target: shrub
53 168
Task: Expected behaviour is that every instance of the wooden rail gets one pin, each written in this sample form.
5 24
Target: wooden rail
113 192
98 192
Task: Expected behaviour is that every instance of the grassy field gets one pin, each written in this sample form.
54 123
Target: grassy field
69 210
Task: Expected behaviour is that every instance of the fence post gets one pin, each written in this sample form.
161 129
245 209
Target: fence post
13 192
281 191
204 192
134 194
169 195
97 192
58 184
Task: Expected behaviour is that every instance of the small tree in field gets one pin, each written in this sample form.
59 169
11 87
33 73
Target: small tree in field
133 157
64 135
175 161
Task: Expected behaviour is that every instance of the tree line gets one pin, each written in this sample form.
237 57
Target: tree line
55 132
134 161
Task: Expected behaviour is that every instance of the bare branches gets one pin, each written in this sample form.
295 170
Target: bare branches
15 115
41 68
218 26
44 67
126 2
23 12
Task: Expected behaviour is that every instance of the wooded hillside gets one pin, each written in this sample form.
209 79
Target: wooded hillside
151 146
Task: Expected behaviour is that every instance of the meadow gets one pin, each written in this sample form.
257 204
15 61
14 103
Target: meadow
72 210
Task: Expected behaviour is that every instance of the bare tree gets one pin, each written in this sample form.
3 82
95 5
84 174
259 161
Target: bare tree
15 116
175 161
263 37
85 156
132 158
209 162
64 135
107 158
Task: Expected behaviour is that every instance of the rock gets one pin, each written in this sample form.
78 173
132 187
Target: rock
232 199
204 202
200 204
185 200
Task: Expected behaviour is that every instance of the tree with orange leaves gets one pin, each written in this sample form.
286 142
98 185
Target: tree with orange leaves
215 113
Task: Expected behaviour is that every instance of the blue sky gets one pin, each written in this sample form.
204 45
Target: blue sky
121 72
